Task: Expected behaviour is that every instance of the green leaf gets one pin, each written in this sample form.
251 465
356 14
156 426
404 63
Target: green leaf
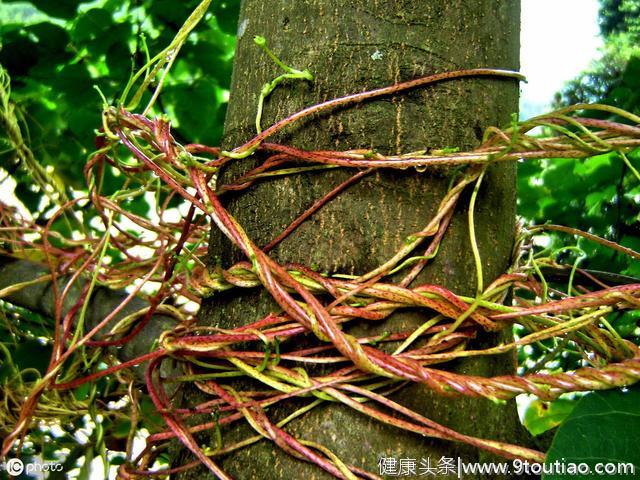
541 416
602 169
121 428
626 323
594 201
632 270
62 226
119 62
74 82
117 460
52 42
601 428
620 95
30 354
196 110
631 241
560 170
58 8
91 25
82 392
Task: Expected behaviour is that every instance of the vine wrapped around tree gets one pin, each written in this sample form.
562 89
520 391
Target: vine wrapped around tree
140 308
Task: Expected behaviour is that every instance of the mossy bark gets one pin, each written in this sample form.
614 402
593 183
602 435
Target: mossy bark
350 47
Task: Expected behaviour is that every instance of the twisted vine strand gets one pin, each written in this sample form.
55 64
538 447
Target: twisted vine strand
363 372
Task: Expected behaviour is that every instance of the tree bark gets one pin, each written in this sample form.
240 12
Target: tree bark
350 47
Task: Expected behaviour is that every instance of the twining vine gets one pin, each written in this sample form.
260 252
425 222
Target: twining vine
171 277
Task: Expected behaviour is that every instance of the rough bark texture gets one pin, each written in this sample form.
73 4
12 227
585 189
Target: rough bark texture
350 47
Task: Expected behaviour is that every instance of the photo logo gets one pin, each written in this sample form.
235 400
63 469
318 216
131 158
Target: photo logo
14 467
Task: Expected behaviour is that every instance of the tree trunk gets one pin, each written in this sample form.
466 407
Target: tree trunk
351 47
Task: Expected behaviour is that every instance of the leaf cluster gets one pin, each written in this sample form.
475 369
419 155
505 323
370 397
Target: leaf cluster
55 52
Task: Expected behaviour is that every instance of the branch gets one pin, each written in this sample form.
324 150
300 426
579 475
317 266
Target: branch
39 298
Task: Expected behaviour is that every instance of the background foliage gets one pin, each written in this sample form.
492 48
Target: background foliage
600 194
56 51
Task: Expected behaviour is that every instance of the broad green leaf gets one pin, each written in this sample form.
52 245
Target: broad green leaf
53 42
82 392
603 427
58 8
91 25
121 428
541 416
119 63
199 124
626 323
593 166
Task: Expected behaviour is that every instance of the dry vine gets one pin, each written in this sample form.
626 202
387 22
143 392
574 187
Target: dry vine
362 373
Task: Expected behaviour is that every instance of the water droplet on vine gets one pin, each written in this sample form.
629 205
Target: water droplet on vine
420 168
